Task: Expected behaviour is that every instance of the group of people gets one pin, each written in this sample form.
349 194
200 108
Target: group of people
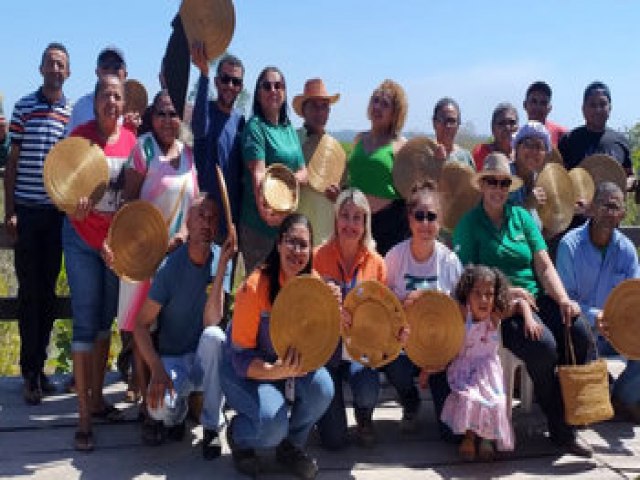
497 266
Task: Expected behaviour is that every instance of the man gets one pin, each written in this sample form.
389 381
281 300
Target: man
314 106
537 104
594 136
38 122
591 261
186 303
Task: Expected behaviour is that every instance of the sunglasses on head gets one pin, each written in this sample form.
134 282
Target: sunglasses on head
496 182
225 79
268 86
422 215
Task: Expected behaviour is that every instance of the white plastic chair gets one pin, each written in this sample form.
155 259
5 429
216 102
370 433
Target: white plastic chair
509 365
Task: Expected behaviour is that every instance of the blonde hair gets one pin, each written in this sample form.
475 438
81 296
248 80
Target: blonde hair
356 197
398 98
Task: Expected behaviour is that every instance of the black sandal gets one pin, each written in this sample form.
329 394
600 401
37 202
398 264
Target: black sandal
83 441
109 413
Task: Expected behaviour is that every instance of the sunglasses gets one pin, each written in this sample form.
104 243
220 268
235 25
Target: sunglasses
225 79
166 113
509 122
422 215
111 65
268 86
447 122
296 244
495 182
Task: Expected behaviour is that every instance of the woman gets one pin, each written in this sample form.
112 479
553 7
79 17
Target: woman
257 384
94 287
348 258
371 163
420 263
504 124
499 234
446 121
267 138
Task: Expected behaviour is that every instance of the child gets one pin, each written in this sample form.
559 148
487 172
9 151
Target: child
476 406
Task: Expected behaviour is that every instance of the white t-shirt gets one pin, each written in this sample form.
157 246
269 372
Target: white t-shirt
440 271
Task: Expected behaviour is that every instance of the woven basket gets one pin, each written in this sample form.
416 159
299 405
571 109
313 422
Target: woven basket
585 389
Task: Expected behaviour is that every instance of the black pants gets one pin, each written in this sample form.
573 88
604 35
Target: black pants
390 226
38 254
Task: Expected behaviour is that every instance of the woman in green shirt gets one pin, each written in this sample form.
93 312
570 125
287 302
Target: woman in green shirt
499 234
267 138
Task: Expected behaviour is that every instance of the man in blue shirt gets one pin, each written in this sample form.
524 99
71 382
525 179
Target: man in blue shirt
186 303
591 260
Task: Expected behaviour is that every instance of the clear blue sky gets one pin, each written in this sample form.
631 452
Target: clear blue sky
480 53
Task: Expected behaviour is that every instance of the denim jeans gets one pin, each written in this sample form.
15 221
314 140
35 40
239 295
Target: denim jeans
365 388
197 371
263 418
626 388
542 356
37 259
94 290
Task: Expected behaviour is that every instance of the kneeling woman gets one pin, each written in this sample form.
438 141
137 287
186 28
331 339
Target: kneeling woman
256 382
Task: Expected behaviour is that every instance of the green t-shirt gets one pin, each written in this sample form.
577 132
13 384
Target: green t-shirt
511 248
273 144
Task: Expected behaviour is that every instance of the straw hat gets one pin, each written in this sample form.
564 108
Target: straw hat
415 161
377 318
280 188
306 316
313 88
136 98
496 164
225 199
558 209
583 185
621 314
605 168
326 161
210 21
554 156
138 238
437 330
457 195
75 168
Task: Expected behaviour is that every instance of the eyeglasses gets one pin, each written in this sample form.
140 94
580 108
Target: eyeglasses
268 86
495 182
166 113
533 144
225 79
422 215
295 244
382 101
611 208
447 122
507 122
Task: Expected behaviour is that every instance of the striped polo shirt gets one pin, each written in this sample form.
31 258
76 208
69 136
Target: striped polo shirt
36 126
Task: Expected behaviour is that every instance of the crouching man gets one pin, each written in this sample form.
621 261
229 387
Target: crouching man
185 302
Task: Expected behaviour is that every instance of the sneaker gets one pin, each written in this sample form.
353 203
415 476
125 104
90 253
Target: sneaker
211 445
176 432
365 433
296 460
410 420
46 385
31 391
245 460
153 432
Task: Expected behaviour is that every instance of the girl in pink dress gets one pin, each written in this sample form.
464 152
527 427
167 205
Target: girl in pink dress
476 406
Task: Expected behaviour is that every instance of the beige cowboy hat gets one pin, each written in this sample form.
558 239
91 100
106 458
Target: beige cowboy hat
306 316
583 185
313 88
415 161
326 161
280 188
436 330
496 164
605 168
377 318
138 238
210 21
457 194
558 209
135 97
73 169
621 314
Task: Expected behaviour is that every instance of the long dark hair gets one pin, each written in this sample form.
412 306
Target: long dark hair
271 265
475 273
283 117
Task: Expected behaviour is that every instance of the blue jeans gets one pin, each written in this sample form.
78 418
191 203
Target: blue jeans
197 371
263 419
94 290
365 387
626 388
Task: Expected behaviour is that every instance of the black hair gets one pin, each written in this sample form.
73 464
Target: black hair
443 102
271 265
539 86
475 273
283 117
229 60
593 87
55 46
501 108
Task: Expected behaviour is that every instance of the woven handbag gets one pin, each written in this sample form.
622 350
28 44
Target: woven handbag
585 388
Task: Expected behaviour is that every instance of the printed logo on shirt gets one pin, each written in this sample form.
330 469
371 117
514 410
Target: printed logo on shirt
420 283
